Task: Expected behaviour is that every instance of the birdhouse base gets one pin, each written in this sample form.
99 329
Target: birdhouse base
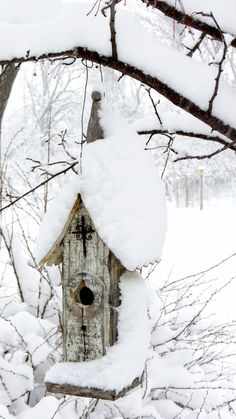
95 393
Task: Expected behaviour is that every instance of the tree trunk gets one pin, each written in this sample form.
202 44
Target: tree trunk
7 78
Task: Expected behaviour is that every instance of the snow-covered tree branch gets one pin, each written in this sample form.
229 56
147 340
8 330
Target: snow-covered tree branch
188 84
197 15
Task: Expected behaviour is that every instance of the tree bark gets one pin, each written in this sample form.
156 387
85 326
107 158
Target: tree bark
7 78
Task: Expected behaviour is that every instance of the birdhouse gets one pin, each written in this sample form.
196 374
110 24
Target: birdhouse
91 273
90 290
90 286
90 283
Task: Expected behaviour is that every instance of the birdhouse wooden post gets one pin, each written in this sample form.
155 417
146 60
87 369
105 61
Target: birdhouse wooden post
90 284
90 279
90 291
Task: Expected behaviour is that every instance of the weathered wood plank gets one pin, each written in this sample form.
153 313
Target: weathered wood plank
91 392
89 330
115 270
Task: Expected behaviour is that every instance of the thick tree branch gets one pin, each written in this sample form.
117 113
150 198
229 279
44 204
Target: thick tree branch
126 69
187 20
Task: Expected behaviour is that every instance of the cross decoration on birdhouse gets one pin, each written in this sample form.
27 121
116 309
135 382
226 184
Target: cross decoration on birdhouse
83 232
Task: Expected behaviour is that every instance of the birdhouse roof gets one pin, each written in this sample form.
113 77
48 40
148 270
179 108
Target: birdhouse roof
121 188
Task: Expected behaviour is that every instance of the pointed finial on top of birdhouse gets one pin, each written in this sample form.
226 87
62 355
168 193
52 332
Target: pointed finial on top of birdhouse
94 130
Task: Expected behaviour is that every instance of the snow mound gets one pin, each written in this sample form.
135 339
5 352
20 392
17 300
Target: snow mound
125 360
122 190
44 26
28 11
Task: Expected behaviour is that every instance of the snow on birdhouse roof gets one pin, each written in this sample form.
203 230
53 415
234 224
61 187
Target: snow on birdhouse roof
122 190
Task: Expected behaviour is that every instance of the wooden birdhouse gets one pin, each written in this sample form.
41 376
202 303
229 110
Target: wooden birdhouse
90 284
90 290
91 277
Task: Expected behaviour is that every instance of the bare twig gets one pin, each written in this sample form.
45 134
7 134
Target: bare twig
197 45
207 156
154 105
168 150
220 65
113 29
213 138
8 238
181 17
170 284
39 186
82 115
62 136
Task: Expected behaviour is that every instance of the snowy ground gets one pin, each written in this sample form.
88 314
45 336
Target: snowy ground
197 240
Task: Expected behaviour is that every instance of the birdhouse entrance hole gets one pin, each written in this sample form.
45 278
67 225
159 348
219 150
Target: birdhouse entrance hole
82 294
85 296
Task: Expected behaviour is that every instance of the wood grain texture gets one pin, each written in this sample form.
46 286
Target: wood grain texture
91 392
89 330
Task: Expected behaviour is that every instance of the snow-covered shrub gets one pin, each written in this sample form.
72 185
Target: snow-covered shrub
188 372
191 369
